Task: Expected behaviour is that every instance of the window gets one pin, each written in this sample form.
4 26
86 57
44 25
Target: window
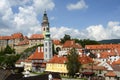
45 49
50 49
50 43
45 44
43 29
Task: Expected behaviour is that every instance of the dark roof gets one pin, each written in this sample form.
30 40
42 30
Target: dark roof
4 74
55 76
116 67
14 76
19 76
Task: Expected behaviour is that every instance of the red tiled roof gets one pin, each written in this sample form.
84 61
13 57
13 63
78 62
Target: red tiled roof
102 46
27 60
24 42
116 62
85 59
37 36
19 61
5 37
56 42
58 59
110 74
71 43
95 67
17 35
37 55
104 54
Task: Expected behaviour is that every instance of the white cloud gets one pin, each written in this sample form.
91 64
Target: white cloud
78 6
41 5
59 32
97 32
94 32
25 19
114 29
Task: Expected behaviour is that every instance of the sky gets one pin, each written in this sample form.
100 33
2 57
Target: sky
82 19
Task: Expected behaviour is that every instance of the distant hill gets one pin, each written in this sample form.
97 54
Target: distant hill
113 41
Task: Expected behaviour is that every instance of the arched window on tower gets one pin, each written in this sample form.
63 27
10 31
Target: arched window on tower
43 29
47 29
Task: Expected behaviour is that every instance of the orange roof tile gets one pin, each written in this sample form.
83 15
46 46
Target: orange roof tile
71 43
27 60
58 59
95 67
104 54
37 36
24 42
56 42
110 74
85 59
116 62
19 61
5 37
102 46
17 35
37 55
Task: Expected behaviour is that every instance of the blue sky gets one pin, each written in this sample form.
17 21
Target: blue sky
83 19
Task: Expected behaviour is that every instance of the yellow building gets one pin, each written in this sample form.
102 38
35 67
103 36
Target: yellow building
57 64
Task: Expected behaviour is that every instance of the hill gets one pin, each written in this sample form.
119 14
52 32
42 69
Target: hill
113 41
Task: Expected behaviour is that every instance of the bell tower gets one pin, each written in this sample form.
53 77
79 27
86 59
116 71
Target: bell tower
45 24
47 39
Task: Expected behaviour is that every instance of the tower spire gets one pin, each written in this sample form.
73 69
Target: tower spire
45 24
45 18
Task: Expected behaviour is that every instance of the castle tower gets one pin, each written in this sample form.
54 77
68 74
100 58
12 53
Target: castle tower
47 40
45 23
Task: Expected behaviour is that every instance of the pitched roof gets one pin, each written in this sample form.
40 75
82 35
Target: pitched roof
94 67
4 73
85 59
24 42
71 43
56 42
110 74
13 36
102 46
58 59
104 54
5 37
36 36
116 67
37 55
17 35
116 62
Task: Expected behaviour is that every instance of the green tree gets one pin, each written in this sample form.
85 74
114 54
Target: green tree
9 50
73 64
8 57
84 42
65 38
10 60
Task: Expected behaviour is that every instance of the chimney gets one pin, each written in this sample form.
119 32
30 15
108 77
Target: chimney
41 49
38 49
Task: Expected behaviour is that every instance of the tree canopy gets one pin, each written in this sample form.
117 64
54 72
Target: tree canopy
65 38
8 57
84 42
73 64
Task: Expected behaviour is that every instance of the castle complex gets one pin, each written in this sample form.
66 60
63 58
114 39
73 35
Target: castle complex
20 42
106 62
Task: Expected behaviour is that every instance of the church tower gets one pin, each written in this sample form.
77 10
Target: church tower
45 24
47 40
